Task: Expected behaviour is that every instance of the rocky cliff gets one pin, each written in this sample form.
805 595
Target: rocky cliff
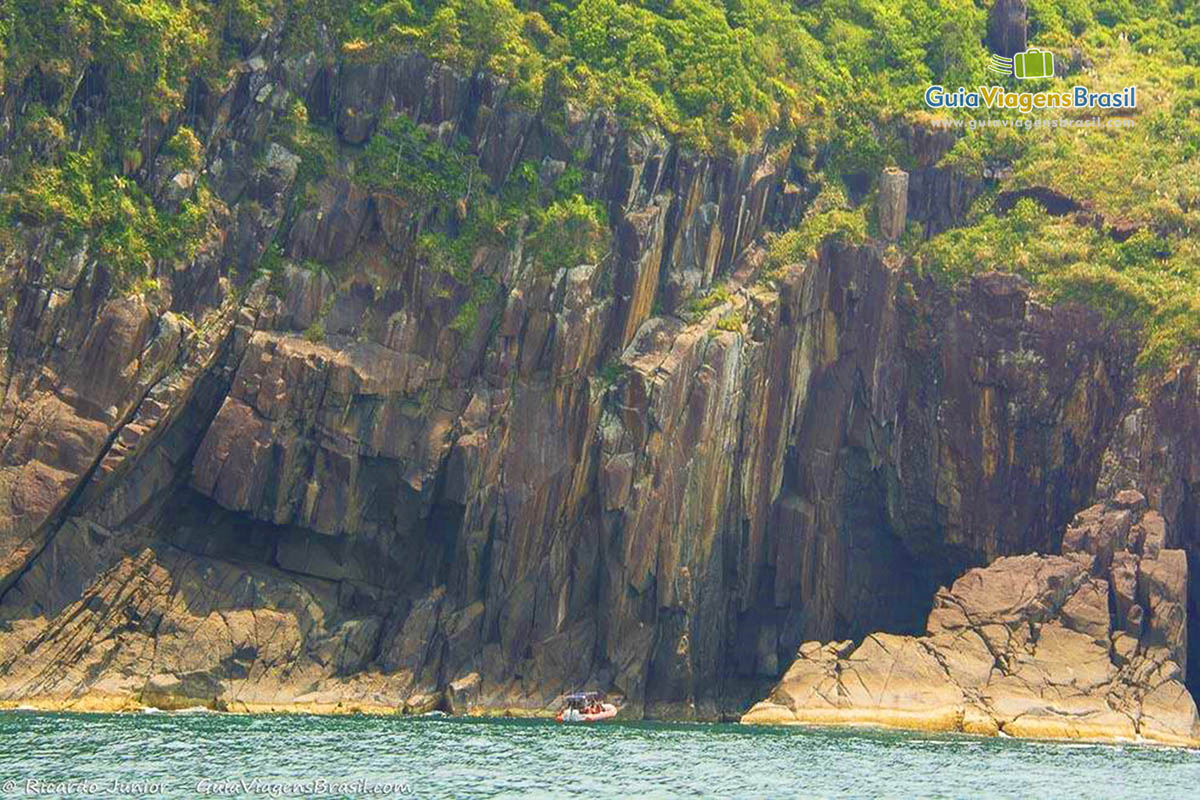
366 481
1091 643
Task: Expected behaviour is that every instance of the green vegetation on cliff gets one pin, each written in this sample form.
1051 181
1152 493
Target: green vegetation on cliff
716 73
124 66
1149 280
562 228
830 214
123 225
719 74
1124 235
404 160
108 85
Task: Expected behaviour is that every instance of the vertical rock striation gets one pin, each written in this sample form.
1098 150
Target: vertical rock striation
387 484
1007 27
893 203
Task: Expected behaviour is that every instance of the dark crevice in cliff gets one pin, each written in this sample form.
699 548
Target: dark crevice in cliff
445 525
52 526
1189 525
406 554
895 587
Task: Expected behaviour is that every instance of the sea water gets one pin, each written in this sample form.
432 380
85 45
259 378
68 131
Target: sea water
229 755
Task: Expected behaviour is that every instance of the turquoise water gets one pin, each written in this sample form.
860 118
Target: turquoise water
198 755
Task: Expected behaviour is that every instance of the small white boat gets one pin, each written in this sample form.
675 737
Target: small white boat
585 707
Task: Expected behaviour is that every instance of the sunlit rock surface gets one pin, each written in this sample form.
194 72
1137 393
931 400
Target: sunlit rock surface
1091 643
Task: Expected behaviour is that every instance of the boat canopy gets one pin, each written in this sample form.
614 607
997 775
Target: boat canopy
582 698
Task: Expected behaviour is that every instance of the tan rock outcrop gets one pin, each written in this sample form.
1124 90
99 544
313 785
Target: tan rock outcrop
1031 645
893 203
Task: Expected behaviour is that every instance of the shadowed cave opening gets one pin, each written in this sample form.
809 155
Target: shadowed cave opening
842 570
416 557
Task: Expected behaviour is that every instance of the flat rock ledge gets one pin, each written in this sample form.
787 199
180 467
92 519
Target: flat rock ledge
1090 644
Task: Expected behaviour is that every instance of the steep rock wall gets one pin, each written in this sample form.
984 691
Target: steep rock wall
585 480
1157 445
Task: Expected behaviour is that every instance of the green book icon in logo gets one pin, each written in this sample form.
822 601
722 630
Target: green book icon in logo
1032 63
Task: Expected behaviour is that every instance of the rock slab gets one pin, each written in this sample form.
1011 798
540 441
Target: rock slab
1089 644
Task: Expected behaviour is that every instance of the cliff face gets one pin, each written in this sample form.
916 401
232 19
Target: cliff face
1091 643
485 492
1157 445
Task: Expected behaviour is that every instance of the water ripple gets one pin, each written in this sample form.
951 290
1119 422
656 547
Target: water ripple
520 759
